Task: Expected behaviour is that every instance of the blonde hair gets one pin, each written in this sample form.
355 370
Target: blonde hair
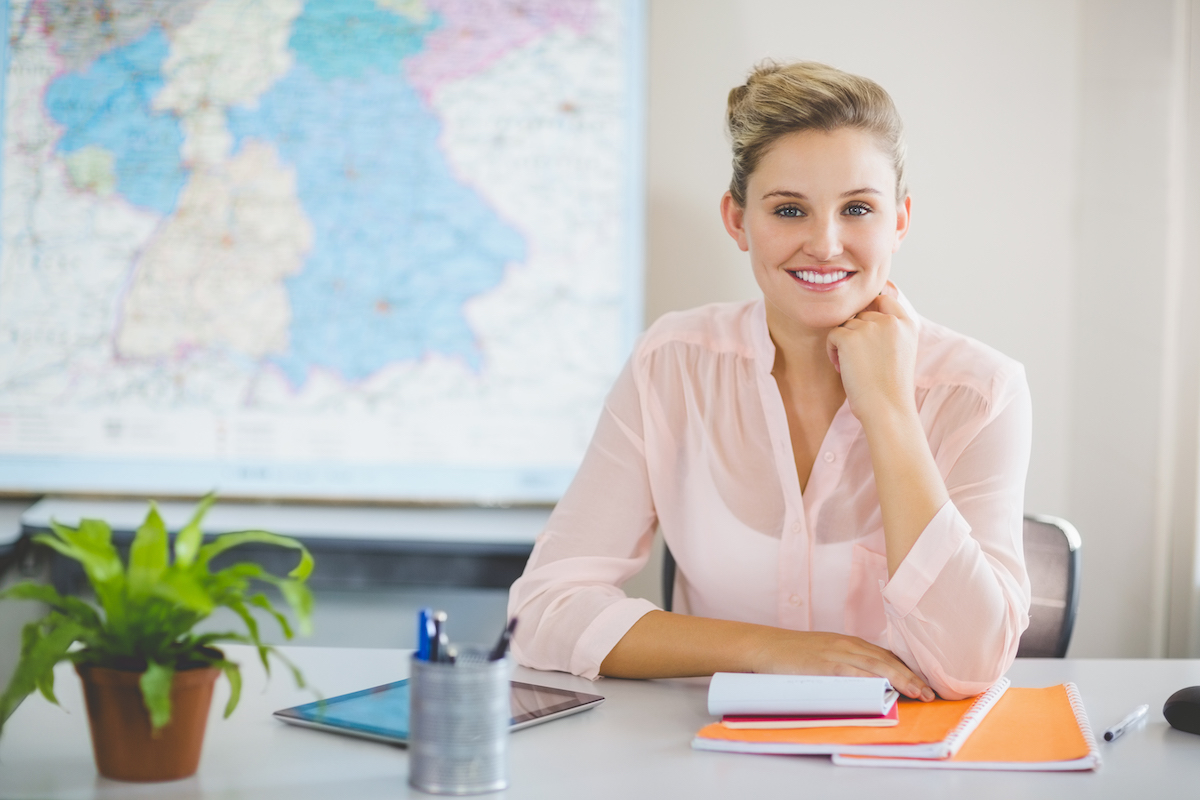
779 99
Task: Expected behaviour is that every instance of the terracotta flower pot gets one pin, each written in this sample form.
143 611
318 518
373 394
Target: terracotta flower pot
122 739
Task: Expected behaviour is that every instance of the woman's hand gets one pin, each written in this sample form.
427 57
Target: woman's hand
817 653
876 352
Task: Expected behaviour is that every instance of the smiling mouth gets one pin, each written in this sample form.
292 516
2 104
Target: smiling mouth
815 278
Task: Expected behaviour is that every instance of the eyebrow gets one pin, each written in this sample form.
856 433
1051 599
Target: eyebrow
799 196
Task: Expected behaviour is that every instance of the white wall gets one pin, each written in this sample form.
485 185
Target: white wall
1119 312
1037 134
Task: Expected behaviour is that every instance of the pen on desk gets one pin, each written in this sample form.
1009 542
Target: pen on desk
425 633
502 644
1134 717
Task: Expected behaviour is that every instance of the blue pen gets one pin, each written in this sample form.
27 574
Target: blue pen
426 633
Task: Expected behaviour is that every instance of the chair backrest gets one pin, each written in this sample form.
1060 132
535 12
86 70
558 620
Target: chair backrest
1052 558
668 578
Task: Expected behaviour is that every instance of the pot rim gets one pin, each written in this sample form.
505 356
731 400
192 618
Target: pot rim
105 674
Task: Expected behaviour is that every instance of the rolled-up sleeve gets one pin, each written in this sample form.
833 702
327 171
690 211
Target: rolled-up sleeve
959 601
569 603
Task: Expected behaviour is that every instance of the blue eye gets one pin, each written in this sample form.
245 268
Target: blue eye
857 210
788 211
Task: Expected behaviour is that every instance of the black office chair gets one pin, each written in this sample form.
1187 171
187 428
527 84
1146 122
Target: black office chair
1052 558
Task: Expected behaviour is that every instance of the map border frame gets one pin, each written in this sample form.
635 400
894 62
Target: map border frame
404 484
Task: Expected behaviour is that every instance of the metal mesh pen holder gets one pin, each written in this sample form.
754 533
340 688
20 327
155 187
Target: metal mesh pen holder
458 724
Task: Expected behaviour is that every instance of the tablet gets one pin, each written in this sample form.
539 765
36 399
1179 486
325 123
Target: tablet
381 713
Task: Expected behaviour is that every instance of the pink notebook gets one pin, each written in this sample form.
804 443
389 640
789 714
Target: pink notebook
746 721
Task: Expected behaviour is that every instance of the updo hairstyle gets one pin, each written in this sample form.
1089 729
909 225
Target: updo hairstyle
779 99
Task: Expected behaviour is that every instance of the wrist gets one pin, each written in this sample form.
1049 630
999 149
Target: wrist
773 649
761 649
888 414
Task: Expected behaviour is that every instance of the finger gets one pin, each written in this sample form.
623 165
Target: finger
907 683
890 290
873 305
887 666
888 305
844 670
868 314
902 678
831 350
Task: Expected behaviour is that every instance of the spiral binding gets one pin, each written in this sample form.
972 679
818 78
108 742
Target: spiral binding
1081 718
970 721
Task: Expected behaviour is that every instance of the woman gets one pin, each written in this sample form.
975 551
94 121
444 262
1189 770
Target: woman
840 480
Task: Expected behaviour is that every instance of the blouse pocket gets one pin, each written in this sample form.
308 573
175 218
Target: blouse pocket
865 617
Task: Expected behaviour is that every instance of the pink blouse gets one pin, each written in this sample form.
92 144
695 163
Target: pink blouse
694 437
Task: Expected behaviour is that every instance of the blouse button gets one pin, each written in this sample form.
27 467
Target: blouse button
795 527
794 599
829 457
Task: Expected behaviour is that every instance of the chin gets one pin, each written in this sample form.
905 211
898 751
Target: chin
819 320
823 312
828 323
830 315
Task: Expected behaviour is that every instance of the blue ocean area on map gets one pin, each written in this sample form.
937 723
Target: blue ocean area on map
109 106
400 244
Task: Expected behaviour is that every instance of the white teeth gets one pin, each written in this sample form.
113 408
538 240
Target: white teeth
809 276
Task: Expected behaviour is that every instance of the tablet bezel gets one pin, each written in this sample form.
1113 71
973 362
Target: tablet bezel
572 702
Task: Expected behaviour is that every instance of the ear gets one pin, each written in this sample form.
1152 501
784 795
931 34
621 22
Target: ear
903 217
734 217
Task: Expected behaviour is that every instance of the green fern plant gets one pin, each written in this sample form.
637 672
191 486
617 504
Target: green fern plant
145 612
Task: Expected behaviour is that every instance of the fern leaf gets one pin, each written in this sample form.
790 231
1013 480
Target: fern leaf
148 553
156 692
44 643
187 543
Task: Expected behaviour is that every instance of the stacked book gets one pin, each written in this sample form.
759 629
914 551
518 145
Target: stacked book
861 722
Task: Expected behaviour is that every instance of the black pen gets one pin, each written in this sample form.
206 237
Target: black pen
1134 718
502 645
439 636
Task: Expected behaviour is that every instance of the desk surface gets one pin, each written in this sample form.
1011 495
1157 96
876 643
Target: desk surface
637 744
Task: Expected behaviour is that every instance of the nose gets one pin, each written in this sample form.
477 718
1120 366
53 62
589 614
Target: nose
824 242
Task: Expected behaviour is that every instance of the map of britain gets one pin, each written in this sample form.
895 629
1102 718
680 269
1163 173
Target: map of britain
328 248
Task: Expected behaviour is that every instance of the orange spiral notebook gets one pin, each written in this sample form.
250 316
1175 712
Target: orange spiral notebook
1028 729
1001 729
926 730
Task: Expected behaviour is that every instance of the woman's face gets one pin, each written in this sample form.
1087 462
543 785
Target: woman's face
821 223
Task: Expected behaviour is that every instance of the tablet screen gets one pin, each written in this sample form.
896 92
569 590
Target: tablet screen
381 712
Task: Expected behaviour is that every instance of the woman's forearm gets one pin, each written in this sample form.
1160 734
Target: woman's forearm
876 352
665 645
910 487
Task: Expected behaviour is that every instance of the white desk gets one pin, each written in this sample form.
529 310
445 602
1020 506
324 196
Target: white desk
636 745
